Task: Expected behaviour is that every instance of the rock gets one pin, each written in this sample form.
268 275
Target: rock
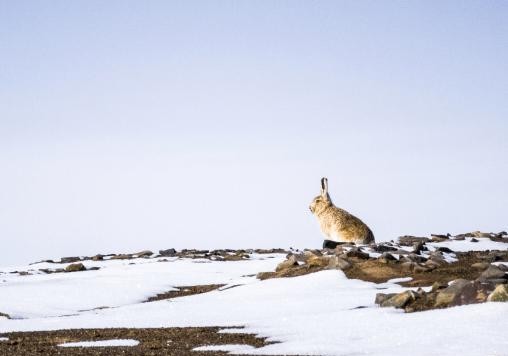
122 257
266 275
290 262
318 261
69 259
420 268
438 285
474 240
75 267
399 300
411 240
408 266
450 293
432 265
413 257
338 263
381 297
480 266
461 292
384 248
170 252
492 272
440 236
387 257
459 238
445 249
500 294
482 234
98 258
332 244
419 247
355 252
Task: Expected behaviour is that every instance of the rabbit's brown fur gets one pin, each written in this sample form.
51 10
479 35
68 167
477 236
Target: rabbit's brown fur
337 224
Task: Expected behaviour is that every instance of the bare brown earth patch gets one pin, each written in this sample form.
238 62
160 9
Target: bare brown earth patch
185 291
156 341
374 270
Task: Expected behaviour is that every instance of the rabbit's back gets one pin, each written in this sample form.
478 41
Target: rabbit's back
339 225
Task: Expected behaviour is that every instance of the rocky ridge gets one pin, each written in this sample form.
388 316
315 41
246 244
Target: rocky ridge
438 276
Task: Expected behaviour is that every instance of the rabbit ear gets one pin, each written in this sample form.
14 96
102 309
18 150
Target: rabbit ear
324 187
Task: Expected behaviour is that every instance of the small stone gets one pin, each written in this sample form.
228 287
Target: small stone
474 240
387 257
480 266
69 259
318 261
145 253
492 272
399 300
97 258
420 268
438 285
450 293
266 275
75 267
411 240
445 249
290 262
358 254
122 257
408 266
500 294
338 263
381 297
419 247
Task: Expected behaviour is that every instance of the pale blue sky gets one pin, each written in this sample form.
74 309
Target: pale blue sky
154 124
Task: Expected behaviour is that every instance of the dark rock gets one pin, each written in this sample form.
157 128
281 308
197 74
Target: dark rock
387 257
419 247
411 240
445 249
75 267
93 268
474 240
355 252
383 248
69 259
98 257
170 252
332 244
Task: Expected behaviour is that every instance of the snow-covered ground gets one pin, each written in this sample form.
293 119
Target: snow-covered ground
322 313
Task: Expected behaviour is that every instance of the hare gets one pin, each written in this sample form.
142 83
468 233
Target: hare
337 224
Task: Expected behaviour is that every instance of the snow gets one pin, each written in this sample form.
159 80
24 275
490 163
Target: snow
102 343
314 314
4 339
400 280
117 283
483 244
226 348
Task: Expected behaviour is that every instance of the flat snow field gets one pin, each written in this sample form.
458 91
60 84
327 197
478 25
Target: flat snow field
314 314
